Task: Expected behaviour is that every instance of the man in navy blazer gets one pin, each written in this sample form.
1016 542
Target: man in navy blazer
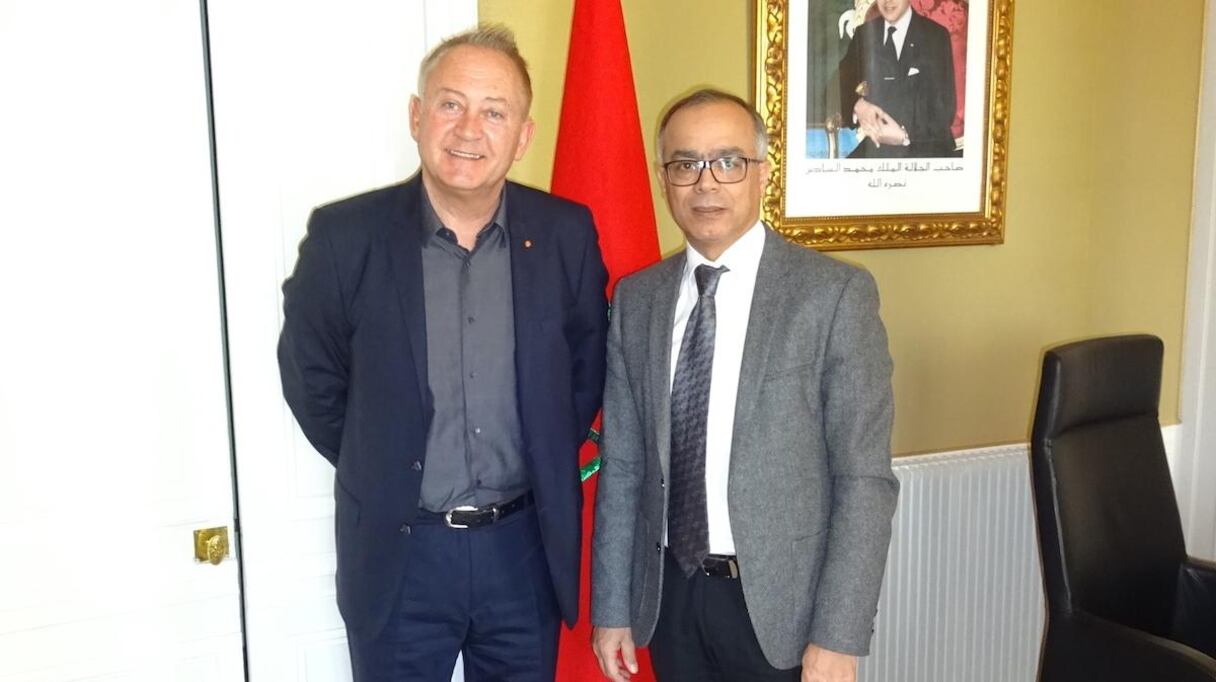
897 85
443 347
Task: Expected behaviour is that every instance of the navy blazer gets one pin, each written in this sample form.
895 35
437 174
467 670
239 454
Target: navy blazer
918 90
353 360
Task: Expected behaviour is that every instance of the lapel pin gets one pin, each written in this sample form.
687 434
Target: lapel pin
527 243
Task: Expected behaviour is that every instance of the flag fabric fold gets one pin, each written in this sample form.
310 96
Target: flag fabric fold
601 162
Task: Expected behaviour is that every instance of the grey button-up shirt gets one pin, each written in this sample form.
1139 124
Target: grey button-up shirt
474 450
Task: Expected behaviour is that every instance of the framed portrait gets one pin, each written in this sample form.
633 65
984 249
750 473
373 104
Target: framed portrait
887 120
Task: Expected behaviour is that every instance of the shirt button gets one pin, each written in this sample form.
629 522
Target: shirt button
472 375
470 319
658 547
662 484
404 529
477 430
416 466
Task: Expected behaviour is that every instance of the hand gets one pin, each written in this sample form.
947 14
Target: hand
890 132
616 653
877 125
869 116
821 665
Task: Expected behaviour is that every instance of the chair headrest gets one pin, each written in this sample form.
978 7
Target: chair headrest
1098 379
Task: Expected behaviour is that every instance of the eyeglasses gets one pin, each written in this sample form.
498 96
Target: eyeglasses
726 170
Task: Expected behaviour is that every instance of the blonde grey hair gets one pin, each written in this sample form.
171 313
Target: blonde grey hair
712 96
494 37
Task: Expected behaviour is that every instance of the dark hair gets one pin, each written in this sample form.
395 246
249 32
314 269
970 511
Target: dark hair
712 96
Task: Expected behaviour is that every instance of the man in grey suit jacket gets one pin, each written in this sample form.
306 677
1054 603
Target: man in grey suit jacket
745 500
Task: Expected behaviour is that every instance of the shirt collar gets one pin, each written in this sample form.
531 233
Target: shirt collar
901 24
431 224
742 257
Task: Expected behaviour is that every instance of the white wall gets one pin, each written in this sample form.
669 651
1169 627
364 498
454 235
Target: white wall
1196 462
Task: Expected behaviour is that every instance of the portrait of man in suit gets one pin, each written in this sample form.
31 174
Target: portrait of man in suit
746 494
443 347
897 85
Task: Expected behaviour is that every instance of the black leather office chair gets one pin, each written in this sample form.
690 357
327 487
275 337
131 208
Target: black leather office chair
1124 601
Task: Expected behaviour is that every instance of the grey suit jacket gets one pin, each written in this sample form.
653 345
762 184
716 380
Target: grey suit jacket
810 488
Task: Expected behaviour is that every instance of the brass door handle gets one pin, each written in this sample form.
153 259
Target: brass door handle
211 544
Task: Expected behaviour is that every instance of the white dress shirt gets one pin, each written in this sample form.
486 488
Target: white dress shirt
901 31
732 304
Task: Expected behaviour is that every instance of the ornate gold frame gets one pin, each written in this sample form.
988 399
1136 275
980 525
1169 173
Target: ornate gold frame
881 231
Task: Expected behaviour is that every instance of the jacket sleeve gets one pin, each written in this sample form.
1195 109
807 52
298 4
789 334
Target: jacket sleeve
587 328
622 453
858 413
942 99
850 71
314 346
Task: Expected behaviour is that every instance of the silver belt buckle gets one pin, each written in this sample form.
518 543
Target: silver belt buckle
447 516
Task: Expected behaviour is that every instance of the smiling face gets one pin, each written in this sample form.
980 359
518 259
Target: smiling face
471 123
713 215
892 10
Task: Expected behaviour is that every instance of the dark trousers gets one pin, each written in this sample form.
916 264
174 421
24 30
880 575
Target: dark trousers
705 635
483 592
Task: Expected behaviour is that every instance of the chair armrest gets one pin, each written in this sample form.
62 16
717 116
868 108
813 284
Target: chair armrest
1202 569
1195 605
1082 646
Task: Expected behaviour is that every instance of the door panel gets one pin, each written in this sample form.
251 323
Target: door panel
113 418
311 105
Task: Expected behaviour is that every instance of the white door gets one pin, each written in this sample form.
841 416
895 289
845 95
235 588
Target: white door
113 424
311 104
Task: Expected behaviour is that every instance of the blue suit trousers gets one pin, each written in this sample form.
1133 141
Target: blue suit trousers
483 592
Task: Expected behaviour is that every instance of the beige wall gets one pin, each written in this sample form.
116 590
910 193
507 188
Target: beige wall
1101 156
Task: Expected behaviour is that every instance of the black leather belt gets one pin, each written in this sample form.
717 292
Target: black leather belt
476 517
720 566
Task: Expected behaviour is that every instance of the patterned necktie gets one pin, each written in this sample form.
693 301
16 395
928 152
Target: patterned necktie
687 525
889 45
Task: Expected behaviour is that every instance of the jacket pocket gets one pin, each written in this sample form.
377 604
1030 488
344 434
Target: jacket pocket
346 508
798 369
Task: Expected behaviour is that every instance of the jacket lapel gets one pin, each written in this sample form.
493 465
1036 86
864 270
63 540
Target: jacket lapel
662 318
404 242
528 258
909 53
766 314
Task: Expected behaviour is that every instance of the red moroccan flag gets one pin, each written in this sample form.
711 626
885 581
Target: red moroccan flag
601 162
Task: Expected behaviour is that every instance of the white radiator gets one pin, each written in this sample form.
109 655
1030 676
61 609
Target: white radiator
962 600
